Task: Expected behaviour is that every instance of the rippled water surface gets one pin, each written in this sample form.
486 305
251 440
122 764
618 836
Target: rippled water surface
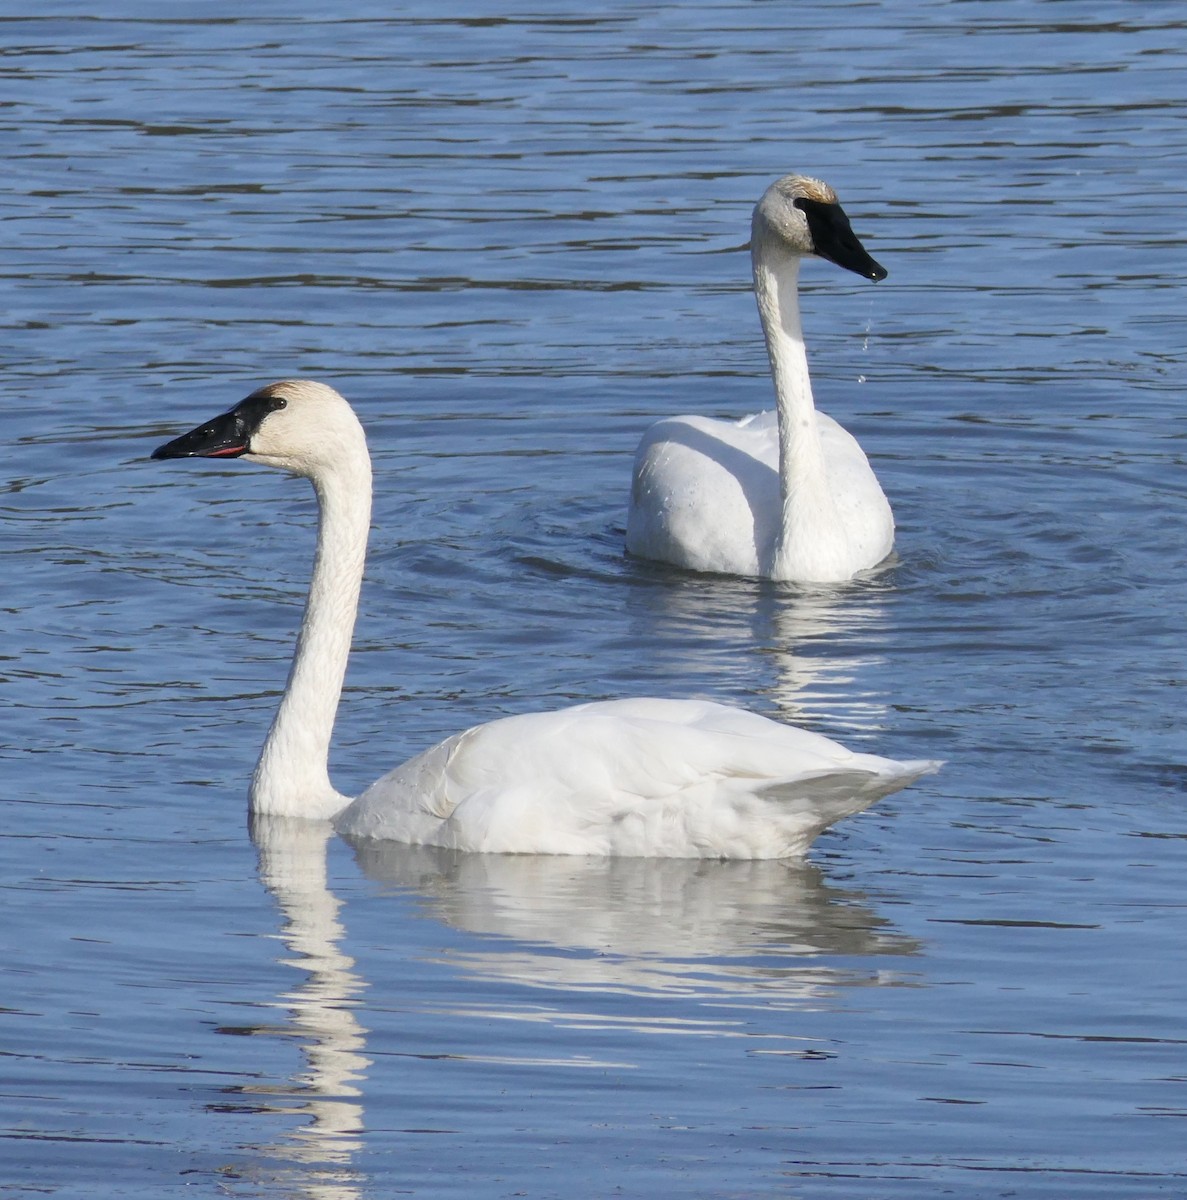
513 238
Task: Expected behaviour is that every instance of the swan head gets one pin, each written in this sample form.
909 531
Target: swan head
297 425
799 215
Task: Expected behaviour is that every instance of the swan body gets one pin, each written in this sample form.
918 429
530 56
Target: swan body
639 777
787 494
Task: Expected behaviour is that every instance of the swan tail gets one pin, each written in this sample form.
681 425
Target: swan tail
817 801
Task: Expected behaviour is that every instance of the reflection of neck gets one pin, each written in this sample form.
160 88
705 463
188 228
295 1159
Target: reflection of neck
292 775
293 868
809 514
820 649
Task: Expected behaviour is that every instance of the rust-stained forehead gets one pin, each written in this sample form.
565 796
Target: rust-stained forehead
280 389
804 187
272 391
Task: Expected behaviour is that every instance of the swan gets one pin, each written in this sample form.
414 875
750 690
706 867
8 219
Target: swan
788 494
635 777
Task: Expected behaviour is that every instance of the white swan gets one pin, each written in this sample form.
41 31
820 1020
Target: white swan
786 495
671 778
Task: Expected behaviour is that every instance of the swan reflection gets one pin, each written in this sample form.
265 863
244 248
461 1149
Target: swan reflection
645 927
321 1007
817 647
734 938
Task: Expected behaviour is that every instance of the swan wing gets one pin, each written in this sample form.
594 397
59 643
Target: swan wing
705 494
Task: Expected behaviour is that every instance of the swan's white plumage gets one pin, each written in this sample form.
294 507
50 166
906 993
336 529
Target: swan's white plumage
665 778
787 494
706 494
639 777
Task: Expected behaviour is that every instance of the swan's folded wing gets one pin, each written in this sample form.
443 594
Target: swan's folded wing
679 778
705 493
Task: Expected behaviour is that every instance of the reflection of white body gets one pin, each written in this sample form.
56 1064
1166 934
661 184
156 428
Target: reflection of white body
647 927
629 777
787 494
743 938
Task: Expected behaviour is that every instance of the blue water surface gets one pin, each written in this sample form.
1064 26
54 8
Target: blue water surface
514 237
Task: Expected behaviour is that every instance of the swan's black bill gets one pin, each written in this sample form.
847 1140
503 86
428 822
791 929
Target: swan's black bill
224 437
833 238
229 434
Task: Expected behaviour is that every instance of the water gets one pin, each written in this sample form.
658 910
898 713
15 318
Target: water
512 239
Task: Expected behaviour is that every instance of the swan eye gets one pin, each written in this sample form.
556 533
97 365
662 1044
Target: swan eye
277 402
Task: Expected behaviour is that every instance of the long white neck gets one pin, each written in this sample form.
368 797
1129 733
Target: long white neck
809 520
292 775
809 516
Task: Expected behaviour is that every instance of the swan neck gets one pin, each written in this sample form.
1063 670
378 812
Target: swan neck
292 776
807 504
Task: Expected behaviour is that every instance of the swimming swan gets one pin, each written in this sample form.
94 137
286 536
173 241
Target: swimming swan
667 778
785 495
